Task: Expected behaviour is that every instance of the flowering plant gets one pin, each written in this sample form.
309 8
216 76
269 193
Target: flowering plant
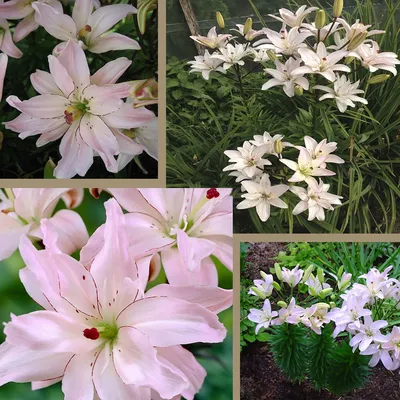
329 327
81 113
108 318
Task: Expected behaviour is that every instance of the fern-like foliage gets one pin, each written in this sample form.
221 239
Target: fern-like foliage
322 348
348 371
290 348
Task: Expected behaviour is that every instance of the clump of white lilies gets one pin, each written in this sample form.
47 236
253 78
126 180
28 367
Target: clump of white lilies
248 166
366 307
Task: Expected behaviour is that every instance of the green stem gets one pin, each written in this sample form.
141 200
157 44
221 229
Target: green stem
241 87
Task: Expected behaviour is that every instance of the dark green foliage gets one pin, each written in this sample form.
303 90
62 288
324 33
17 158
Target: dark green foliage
348 371
290 347
322 348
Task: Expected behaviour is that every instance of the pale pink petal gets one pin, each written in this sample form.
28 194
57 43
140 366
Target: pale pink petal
63 334
193 250
11 232
51 136
19 364
224 250
81 11
111 72
73 59
44 384
214 299
61 77
77 381
44 83
96 134
178 274
128 117
106 99
25 27
127 145
73 198
15 9
106 17
216 224
169 321
3 68
43 106
182 362
149 268
113 41
71 230
9 47
136 363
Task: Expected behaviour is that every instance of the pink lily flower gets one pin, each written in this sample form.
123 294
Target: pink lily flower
186 226
23 210
22 9
7 45
99 333
85 111
3 68
86 27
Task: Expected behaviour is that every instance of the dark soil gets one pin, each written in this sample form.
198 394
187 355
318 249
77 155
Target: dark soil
261 379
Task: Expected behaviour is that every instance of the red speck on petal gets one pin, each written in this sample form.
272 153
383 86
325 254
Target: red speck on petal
324 58
212 194
92 334
83 277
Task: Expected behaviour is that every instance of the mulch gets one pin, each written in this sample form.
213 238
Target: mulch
261 378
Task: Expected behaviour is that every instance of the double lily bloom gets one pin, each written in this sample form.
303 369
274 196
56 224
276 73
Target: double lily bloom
87 112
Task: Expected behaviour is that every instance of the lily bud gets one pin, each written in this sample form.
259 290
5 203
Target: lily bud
378 79
282 304
348 60
323 305
263 275
307 273
320 19
247 26
320 275
278 147
332 304
312 291
276 286
298 90
356 41
271 55
220 20
333 297
325 292
340 271
337 8
278 271
259 293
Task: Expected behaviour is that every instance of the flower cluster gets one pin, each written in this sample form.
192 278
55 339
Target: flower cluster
369 307
248 164
100 324
301 56
87 112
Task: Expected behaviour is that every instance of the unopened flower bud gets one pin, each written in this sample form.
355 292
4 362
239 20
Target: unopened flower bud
312 291
340 271
247 26
357 40
278 147
333 297
271 55
220 20
259 293
276 286
378 79
278 271
307 273
298 90
332 304
325 292
263 275
337 8
320 19
320 275
348 60
282 304
323 305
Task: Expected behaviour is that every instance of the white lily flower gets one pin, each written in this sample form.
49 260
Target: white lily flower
323 32
292 314
345 281
378 353
264 285
372 59
262 317
287 43
358 27
321 62
213 40
271 143
251 35
315 286
306 166
344 92
240 176
232 55
368 332
293 19
315 317
247 159
260 55
284 75
322 149
205 64
292 276
315 199
393 342
262 196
